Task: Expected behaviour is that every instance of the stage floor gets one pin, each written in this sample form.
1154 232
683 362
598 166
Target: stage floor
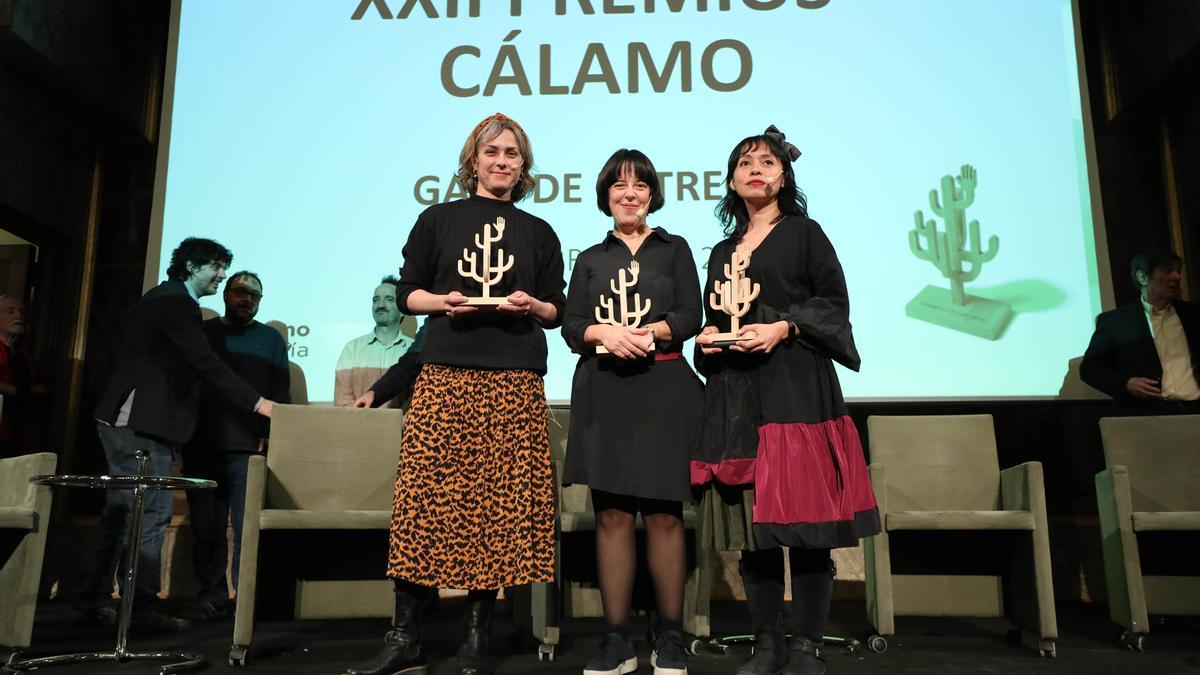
925 646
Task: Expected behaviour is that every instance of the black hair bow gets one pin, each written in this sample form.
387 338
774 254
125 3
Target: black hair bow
792 151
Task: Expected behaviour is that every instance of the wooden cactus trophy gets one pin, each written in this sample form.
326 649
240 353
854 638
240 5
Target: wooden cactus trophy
628 311
733 297
493 265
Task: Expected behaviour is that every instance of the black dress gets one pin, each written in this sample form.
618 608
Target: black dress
779 454
634 424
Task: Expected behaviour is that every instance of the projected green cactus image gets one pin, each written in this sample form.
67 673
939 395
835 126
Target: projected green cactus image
957 252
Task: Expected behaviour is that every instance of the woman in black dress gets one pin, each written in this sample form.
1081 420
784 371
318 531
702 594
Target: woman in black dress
474 499
780 459
634 411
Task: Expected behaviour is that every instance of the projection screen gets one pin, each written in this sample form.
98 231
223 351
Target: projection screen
308 136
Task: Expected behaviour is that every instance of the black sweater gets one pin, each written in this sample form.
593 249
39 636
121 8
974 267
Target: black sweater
258 354
486 338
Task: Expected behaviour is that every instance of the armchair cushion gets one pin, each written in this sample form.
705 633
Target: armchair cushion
1148 521
959 520
16 518
290 519
585 521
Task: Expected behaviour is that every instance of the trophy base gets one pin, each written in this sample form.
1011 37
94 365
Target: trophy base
723 340
980 317
485 303
601 350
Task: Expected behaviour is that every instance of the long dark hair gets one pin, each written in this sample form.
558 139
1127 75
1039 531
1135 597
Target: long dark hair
731 210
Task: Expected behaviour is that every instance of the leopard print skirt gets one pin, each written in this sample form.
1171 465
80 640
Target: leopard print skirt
474 500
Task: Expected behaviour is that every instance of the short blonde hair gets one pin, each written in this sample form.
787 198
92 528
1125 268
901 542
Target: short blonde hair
483 132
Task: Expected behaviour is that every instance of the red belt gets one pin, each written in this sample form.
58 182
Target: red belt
673 356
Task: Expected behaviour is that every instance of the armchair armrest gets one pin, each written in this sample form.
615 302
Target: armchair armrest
15 472
256 489
877 561
878 476
24 506
1122 562
1022 488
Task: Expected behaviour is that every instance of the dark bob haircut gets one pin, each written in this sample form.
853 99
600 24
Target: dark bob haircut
199 252
731 210
1149 260
610 175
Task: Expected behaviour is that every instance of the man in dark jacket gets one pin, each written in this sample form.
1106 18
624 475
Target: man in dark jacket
1146 354
228 436
150 407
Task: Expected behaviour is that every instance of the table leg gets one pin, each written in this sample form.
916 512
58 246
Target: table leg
125 616
184 660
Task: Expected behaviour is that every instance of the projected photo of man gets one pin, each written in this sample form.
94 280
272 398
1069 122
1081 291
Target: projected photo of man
474 499
781 460
366 358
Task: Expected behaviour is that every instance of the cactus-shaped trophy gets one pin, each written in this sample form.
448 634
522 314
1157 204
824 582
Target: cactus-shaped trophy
957 252
733 296
623 309
490 269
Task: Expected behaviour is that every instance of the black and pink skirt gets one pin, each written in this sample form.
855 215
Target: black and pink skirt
809 481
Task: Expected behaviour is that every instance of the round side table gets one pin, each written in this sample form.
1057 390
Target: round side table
183 661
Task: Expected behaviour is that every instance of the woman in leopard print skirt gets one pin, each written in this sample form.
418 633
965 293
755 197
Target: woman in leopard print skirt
474 501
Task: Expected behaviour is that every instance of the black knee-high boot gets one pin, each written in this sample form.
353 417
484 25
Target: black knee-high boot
402 652
477 627
762 575
812 591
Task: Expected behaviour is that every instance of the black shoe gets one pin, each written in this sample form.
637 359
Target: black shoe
616 657
207 610
804 657
770 655
157 621
477 628
401 653
100 616
398 657
668 656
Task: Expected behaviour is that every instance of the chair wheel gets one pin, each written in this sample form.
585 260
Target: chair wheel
237 656
1046 649
877 644
853 647
717 647
546 652
1135 642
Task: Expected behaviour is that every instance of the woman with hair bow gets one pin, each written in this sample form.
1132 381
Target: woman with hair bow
780 462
